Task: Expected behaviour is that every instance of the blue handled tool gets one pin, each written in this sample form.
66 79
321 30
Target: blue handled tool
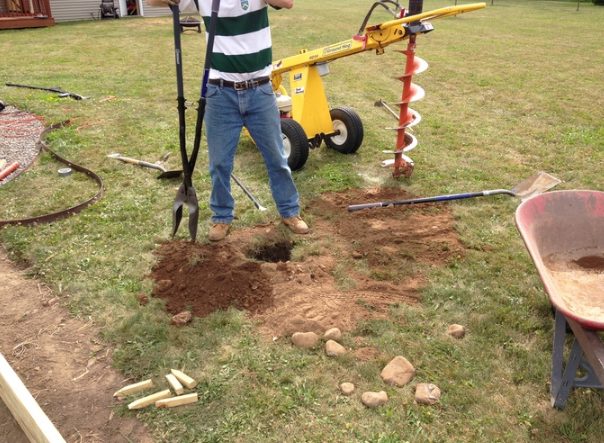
535 184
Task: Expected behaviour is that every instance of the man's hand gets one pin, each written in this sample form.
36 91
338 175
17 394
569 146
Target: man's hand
278 4
160 3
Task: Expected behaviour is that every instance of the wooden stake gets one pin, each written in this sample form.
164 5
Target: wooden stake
184 378
177 401
149 399
134 388
175 384
25 409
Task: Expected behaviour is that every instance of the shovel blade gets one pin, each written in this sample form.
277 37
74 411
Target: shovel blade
185 196
170 174
535 184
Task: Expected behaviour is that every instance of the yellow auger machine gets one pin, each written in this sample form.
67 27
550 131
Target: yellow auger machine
308 120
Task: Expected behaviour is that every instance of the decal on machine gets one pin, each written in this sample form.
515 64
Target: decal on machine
299 91
337 48
298 76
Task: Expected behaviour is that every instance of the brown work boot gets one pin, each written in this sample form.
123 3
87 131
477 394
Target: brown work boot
218 231
296 225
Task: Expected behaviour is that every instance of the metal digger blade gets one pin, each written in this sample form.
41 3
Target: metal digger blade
185 195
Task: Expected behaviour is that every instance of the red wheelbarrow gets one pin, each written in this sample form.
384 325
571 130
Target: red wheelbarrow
564 234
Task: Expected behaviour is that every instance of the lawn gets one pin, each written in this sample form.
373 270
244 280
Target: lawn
512 89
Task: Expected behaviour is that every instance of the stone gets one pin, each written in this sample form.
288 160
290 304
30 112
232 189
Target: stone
374 399
456 331
427 394
306 340
347 388
334 349
332 334
398 372
182 318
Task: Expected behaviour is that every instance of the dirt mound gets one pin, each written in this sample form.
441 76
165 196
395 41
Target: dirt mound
204 278
355 265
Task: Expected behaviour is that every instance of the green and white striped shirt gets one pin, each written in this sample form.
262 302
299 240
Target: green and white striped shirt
242 44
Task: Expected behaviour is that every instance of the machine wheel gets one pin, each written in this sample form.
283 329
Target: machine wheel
295 143
349 130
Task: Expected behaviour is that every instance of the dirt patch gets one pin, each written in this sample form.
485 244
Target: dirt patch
62 363
359 264
594 262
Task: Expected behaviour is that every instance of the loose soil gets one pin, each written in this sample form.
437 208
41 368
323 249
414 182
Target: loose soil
354 265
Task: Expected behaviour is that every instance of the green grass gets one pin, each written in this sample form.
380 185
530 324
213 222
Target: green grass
512 89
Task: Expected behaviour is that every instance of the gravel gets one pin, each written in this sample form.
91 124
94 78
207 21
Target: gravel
19 136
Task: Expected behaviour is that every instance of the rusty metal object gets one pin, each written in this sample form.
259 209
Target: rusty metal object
58 215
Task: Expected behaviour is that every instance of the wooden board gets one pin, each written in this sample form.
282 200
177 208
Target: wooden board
32 419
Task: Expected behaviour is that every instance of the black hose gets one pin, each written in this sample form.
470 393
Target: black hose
383 4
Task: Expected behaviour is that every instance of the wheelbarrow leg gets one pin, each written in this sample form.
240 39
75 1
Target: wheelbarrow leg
564 378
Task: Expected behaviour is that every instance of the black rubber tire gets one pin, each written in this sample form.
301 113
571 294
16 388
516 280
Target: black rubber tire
295 143
350 127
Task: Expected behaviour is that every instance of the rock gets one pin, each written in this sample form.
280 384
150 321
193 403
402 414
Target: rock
50 302
457 331
374 399
347 388
398 372
356 255
182 318
332 334
306 340
142 298
334 349
427 394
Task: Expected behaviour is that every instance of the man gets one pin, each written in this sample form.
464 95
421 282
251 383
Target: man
239 93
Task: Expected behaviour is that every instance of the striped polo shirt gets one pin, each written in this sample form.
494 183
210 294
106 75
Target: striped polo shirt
242 44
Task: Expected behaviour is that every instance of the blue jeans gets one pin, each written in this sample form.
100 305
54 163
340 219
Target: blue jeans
227 112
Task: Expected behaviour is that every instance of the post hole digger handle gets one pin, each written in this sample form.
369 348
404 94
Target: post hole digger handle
186 193
435 199
204 81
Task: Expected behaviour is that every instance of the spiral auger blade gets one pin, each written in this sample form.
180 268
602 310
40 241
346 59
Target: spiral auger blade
406 117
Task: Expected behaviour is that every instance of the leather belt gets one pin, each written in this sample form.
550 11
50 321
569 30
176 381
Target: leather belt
240 86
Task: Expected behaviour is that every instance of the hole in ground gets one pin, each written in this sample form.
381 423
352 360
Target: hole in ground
272 252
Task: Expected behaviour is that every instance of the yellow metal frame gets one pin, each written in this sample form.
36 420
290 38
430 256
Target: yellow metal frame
309 102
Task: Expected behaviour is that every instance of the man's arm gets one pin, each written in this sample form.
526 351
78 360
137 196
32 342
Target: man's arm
278 4
161 3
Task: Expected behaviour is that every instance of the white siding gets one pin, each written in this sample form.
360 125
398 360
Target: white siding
150 11
68 10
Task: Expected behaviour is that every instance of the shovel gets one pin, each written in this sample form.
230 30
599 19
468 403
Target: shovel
164 172
533 185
